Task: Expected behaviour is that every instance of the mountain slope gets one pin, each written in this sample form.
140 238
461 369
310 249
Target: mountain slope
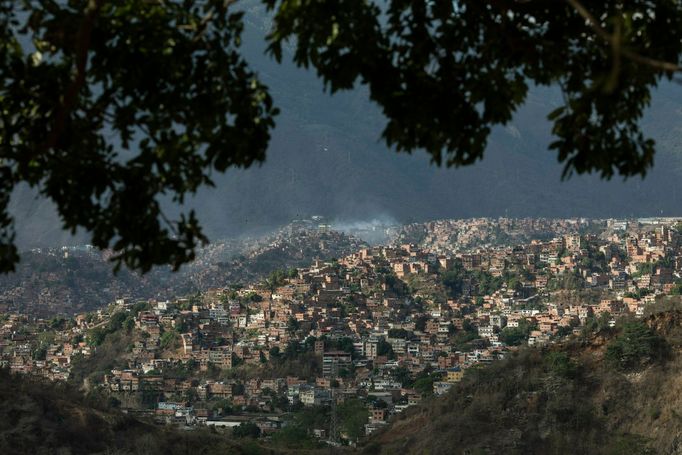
46 419
561 400
50 282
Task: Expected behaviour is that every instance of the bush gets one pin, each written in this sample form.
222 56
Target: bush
512 336
169 339
293 437
636 346
246 430
96 336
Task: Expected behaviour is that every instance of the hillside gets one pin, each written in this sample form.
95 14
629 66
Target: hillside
613 391
46 419
566 399
51 282
462 235
54 281
290 246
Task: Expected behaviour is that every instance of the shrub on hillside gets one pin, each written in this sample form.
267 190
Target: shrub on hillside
560 365
636 346
246 430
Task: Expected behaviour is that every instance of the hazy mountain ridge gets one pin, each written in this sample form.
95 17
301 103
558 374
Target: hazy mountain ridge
66 281
453 235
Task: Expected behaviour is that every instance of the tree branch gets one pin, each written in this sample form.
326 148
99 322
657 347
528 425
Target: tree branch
71 95
616 45
168 223
203 25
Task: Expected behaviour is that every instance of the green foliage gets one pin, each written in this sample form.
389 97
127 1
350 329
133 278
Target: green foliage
274 352
639 293
139 306
293 437
630 444
296 434
119 320
561 365
664 304
597 324
58 323
276 278
46 425
677 288
563 331
645 268
453 279
420 323
96 336
385 348
246 430
403 376
424 385
137 101
636 345
312 417
108 355
238 389
181 371
342 344
134 101
488 284
39 353
253 297
398 333
568 281
116 322
353 416
236 360
113 402
169 339
292 325
412 68
514 336
293 363
462 338
423 382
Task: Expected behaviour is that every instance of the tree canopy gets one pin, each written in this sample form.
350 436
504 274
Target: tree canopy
108 107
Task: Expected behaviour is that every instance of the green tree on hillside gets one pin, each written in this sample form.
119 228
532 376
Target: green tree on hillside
514 336
353 415
636 345
246 430
169 339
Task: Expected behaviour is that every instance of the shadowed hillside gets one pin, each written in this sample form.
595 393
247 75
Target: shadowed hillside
49 419
617 391
56 282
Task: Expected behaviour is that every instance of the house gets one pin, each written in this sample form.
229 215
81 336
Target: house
454 374
335 363
313 396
